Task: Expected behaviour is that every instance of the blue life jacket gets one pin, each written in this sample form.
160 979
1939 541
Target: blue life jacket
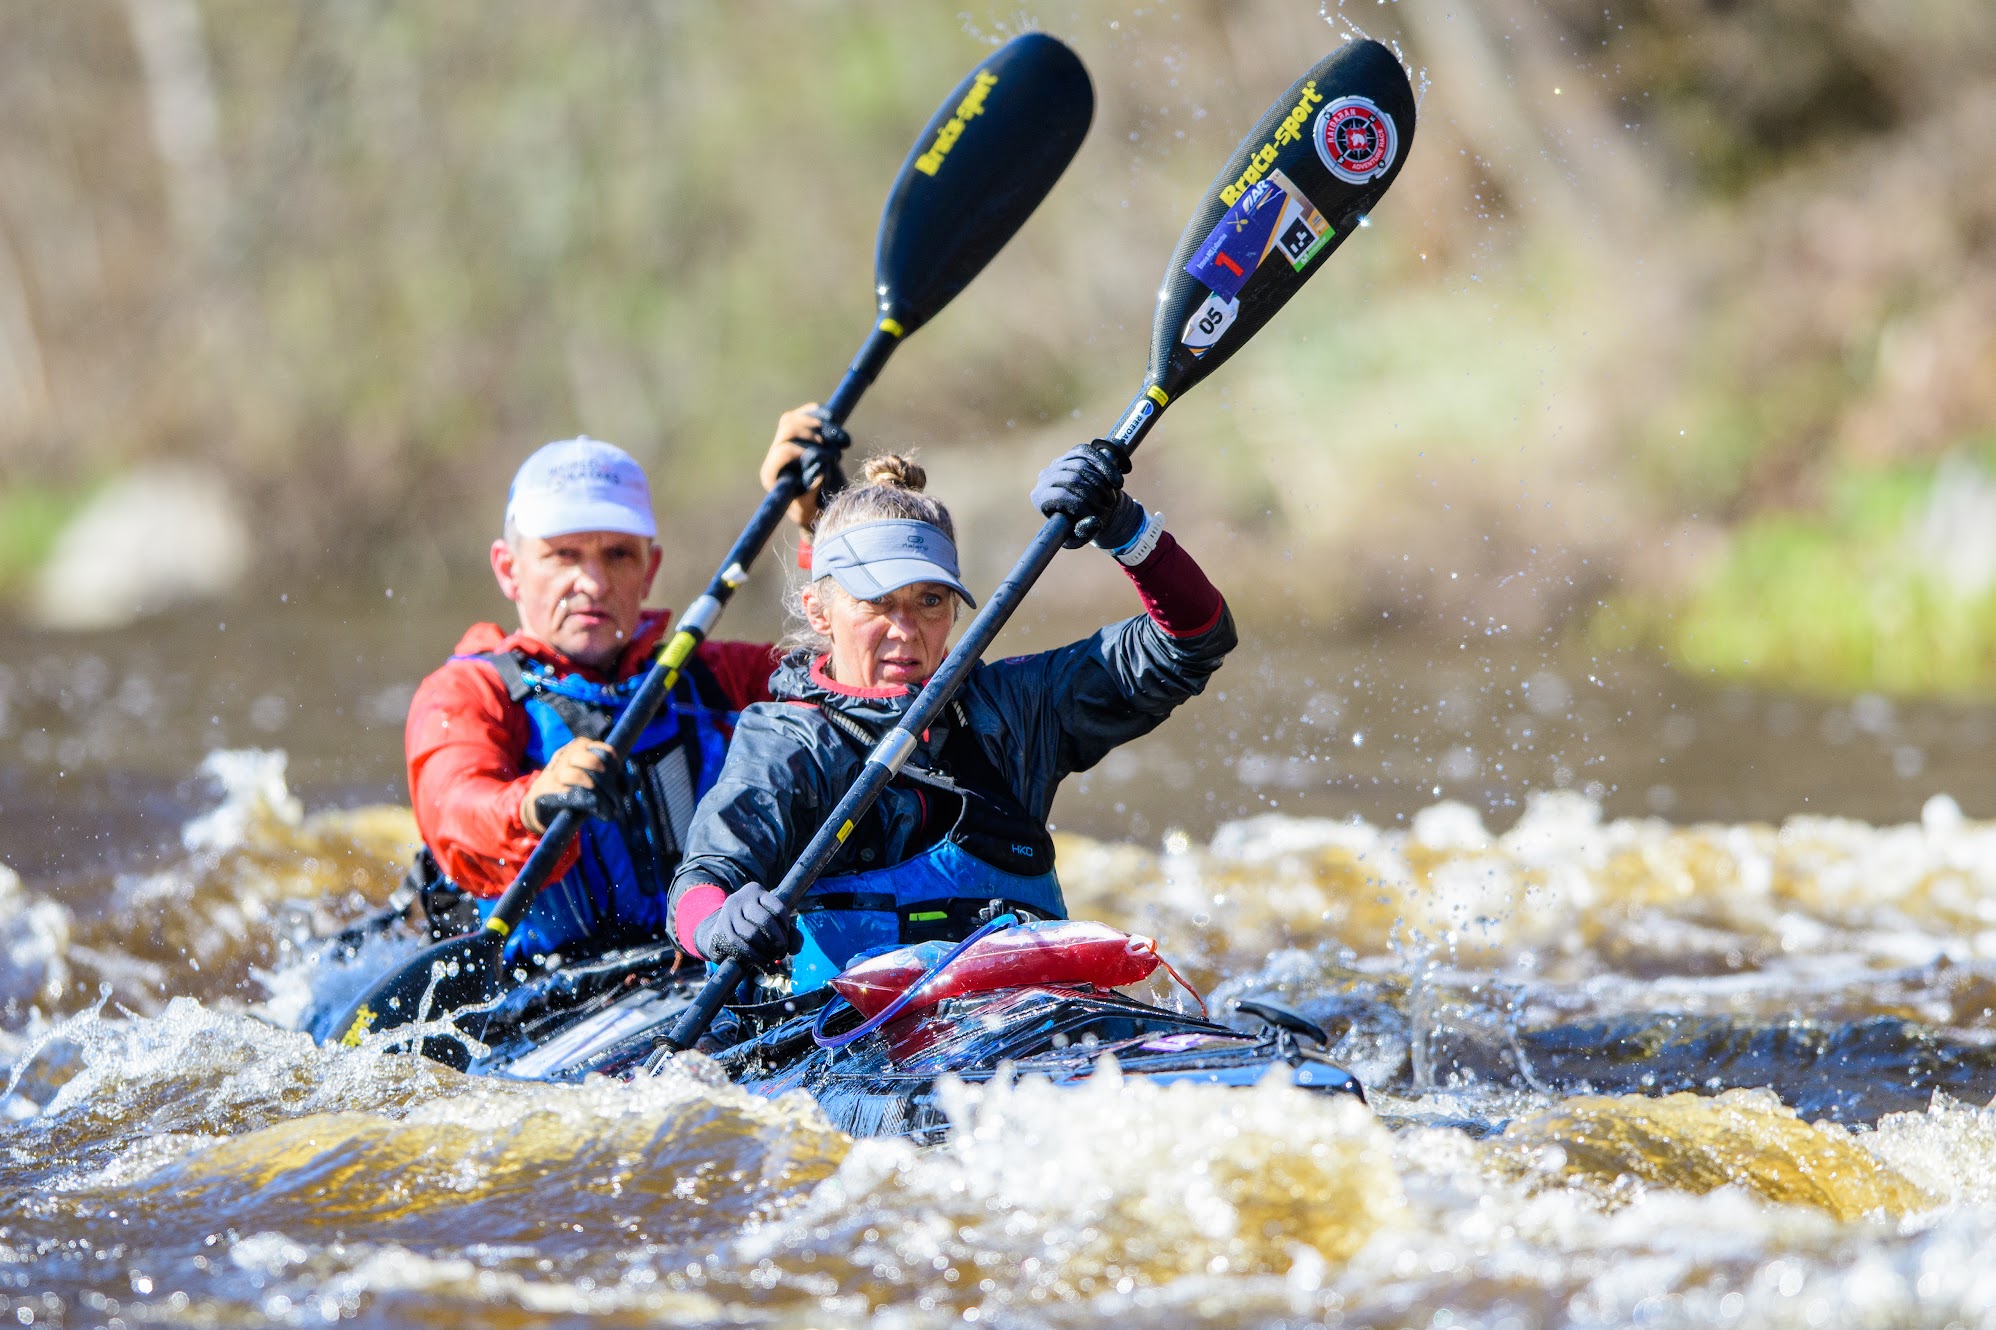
616 892
994 852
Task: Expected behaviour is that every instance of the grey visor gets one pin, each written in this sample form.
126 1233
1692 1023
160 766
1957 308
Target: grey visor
874 558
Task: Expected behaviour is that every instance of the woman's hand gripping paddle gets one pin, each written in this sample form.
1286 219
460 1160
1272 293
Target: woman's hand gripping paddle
1292 191
991 152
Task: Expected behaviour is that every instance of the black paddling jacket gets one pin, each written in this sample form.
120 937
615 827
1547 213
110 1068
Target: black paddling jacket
1034 719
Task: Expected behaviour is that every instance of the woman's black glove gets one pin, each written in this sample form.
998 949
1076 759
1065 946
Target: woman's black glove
1086 484
751 927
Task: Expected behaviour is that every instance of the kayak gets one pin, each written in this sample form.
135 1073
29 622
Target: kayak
887 1084
610 1016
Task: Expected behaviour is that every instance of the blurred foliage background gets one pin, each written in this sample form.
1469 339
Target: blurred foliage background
1678 328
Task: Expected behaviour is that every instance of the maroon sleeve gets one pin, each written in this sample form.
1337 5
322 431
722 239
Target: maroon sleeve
1175 590
741 668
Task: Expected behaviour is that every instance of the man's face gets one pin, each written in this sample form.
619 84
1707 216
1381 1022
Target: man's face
579 593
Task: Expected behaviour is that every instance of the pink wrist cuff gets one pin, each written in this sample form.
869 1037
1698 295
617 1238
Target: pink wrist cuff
700 900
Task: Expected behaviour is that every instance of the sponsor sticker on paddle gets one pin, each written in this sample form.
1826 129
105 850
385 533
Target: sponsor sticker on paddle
1273 214
1356 139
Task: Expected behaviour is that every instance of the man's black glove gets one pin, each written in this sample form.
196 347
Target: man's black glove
750 927
1086 484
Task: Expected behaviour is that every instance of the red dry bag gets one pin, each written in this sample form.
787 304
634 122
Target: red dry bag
1060 952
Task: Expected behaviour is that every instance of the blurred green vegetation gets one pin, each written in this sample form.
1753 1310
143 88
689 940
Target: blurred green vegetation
31 517
1890 586
1663 284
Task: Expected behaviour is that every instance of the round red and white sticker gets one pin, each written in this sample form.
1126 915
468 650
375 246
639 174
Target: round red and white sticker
1356 139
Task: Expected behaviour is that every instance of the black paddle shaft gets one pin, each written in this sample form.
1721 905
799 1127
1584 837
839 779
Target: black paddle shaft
698 622
819 464
888 756
992 151
461 971
1304 177
465 970
989 155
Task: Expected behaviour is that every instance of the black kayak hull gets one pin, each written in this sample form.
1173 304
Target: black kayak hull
888 1084
610 1016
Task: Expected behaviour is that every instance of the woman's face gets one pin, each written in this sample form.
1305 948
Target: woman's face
897 640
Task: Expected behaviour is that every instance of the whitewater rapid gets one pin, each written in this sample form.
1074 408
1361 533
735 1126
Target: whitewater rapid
1621 1071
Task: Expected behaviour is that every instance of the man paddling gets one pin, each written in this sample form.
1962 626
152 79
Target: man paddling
508 732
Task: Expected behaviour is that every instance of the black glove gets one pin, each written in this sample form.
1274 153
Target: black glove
1086 484
750 927
600 800
821 464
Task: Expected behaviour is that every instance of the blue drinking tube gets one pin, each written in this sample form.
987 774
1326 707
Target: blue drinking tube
894 1008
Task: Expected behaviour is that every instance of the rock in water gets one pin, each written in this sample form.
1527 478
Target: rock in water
158 536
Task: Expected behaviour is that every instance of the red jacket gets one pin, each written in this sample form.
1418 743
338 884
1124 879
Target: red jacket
466 743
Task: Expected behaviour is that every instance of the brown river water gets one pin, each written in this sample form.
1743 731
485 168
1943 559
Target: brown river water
1676 1003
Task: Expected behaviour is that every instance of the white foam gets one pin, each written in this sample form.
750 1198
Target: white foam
34 947
253 789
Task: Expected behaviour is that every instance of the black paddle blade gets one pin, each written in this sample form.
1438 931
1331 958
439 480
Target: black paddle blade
993 150
464 970
1290 194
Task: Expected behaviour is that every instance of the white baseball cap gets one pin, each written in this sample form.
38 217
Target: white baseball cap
580 484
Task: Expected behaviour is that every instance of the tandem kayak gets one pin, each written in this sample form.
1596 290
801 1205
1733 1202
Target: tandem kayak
879 1077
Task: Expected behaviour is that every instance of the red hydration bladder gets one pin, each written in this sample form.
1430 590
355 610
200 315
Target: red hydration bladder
1057 952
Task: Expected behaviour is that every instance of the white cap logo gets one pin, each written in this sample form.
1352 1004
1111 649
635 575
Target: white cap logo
580 484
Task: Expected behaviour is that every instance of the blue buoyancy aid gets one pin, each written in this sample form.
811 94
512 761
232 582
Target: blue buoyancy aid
616 890
994 851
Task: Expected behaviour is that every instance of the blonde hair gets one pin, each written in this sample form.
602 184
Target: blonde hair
890 489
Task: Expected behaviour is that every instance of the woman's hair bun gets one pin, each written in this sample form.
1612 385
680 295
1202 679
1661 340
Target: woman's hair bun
892 469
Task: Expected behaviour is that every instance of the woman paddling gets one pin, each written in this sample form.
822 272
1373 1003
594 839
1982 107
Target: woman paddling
961 833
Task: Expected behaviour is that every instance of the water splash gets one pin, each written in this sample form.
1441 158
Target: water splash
1340 21
1122 1197
1533 1011
1743 1138
235 918
254 797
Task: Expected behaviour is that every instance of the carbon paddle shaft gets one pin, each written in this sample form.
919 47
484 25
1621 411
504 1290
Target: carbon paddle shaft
894 748
991 152
1295 188
464 970
700 618
663 677
694 625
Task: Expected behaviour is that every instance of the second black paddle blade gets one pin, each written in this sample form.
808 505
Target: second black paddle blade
1288 196
993 150
456 973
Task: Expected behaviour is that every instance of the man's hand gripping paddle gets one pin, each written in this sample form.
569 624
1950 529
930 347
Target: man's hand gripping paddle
991 152
1294 189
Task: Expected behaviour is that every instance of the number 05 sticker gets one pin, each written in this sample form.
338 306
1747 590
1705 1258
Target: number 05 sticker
1209 323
